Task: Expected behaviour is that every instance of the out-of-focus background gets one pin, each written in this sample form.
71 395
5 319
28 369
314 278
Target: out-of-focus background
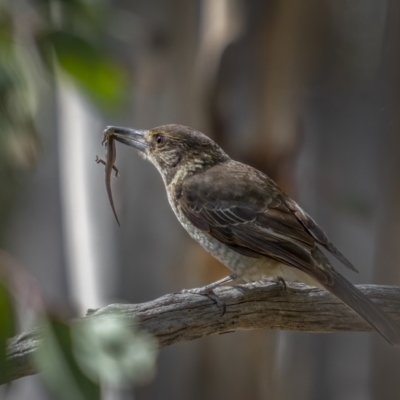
308 91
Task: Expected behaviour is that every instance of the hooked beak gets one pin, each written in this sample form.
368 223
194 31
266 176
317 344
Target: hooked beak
129 136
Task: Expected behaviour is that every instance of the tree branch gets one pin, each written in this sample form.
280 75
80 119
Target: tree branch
176 318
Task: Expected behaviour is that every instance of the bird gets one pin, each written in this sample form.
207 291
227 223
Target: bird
242 218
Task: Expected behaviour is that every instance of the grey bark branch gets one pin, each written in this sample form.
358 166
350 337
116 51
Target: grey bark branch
176 318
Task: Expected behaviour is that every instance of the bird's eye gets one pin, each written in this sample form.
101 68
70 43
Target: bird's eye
160 139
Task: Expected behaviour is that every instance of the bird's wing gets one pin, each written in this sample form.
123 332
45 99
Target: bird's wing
245 210
317 233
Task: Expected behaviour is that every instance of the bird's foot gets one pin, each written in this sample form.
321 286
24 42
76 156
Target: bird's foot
205 291
281 282
276 281
208 291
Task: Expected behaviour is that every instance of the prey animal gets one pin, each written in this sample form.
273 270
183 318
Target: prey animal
242 218
111 155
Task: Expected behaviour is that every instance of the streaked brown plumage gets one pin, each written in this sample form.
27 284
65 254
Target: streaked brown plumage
242 218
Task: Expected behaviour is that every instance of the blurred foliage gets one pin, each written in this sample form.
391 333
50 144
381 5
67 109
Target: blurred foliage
59 369
67 38
79 358
97 74
18 138
42 42
7 324
111 349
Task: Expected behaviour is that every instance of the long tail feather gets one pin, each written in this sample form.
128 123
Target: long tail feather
363 306
359 302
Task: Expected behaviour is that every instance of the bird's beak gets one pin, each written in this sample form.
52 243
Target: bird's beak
129 136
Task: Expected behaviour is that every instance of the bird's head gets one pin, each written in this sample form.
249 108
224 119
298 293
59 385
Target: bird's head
177 151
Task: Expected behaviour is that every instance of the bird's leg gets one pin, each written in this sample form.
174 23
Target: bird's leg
208 291
211 286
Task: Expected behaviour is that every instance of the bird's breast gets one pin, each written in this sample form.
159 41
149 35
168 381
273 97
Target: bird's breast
233 260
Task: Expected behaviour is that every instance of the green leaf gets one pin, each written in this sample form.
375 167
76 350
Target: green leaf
7 325
97 74
111 349
59 368
6 30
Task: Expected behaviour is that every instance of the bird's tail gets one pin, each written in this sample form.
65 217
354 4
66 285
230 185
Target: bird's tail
361 304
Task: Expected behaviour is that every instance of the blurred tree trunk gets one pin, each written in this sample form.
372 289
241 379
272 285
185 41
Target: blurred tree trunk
337 186
256 107
386 360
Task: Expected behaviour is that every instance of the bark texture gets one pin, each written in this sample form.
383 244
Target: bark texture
175 318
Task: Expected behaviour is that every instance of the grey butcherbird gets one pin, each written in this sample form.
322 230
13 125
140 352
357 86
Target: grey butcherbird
242 218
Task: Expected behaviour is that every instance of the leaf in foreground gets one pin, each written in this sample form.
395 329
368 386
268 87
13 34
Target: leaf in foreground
7 325
57 364
112 350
